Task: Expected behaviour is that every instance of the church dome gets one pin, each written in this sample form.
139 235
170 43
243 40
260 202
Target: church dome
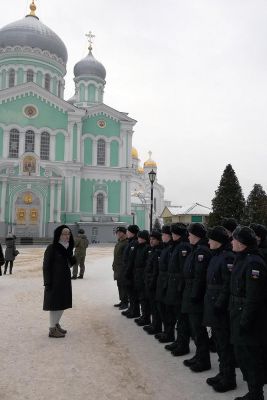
150 163
134 153
31 32
89 66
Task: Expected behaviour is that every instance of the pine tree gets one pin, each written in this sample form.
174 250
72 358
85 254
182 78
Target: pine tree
157 225
229 201
256 206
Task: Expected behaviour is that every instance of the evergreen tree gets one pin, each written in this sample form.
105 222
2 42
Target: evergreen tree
157 225
229 201
256 206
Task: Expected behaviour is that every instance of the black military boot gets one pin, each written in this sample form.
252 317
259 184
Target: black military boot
172 346
10 270
123 306
224 385
152 330
147 327
143 321
200 366
190 361
5 270
180 350
126 312
246 397
165 338
214 379
117 305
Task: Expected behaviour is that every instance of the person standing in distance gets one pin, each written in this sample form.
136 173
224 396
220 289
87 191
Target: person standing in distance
10 253
117 267
81 243
58 259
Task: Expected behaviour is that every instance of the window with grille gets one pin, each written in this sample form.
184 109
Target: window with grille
100 203
45 146
29 142
30 75
47 81
14 143
11 78
101 152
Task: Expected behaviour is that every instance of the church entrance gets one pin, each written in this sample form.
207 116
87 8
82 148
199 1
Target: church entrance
27 215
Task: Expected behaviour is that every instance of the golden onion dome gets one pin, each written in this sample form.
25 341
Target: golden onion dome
140 170
150 163
134 153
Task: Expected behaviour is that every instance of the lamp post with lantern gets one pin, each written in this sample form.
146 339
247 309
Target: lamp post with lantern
152 177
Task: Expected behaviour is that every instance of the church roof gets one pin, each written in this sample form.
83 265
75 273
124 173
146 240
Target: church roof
89 66
31 32
191 209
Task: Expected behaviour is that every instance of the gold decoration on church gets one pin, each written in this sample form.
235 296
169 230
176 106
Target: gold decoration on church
21 214
27 198
34 215
29 164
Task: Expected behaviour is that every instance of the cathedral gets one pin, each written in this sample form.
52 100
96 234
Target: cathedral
64 161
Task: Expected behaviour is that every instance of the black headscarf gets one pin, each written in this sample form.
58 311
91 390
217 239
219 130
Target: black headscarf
57 233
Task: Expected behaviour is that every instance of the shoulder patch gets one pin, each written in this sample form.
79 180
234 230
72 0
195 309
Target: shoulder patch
255 274
200 257
230 267
184 253
132 248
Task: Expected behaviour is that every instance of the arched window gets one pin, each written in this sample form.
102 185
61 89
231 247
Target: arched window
101 152
29 75
45 146
59 89
14 143
47 81
100 203
11 78
29 142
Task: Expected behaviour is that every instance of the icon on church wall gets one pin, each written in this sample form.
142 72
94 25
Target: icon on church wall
101 123
21 214
27 198
34 215
30 111
29 164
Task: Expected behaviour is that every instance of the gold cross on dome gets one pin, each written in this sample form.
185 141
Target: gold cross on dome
90 36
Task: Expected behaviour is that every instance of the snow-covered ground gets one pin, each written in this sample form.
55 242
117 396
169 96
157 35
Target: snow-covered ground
103 356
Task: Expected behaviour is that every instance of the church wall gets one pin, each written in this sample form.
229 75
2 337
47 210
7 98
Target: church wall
114 154
91 93
11 112
74 142
114 190
88 149
63 200
60 146
86 199
20 75
90 125
1 141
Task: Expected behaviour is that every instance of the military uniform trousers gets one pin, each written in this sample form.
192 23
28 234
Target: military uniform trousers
155 314
225 350
79 262
200 336
123 296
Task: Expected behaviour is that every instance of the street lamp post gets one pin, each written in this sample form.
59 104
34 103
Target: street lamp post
152 177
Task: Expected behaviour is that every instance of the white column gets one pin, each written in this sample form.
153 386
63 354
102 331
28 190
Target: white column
123 196
6 144
123 151
70 141
52 147
94 155
59 193
78 193
79 135
69 191
37 144
21 143
52 200
108 154
128 205
3 200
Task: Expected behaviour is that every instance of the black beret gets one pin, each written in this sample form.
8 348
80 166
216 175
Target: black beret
166 229
260 231
245 235
230 224
143 235
133 229
121 229
219 234
156 234
178 229
197 229
81 231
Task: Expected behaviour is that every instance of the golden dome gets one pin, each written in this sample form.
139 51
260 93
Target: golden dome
140 170
150 163
134 153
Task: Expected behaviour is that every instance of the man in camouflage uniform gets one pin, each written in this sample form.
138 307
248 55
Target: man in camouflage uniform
81 243
117 267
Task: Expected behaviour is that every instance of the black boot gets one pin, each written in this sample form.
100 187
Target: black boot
224 385
180 350
171 346
190 361
200 366
214 379
165 338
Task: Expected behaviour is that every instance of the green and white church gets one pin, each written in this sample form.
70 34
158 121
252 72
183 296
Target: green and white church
64 161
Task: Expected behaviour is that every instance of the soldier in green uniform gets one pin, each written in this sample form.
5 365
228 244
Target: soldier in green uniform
195 270
81 243
117 266
248 311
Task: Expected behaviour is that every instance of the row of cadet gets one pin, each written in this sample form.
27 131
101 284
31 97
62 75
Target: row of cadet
10 254
185 279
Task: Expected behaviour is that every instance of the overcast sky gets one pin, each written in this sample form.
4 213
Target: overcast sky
193 73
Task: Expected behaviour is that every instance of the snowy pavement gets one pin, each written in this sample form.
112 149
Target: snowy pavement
104 356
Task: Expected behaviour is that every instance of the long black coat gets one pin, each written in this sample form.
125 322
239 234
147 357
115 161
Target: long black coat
151 271
57 278
163 272
195 270
217 295
139 268
175 285
248 292
128 262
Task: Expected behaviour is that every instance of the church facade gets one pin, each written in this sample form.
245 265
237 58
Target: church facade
64 161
